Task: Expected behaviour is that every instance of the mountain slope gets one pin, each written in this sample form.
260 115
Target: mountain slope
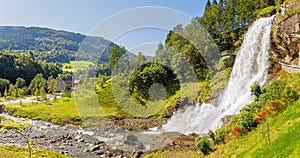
55 46
284 136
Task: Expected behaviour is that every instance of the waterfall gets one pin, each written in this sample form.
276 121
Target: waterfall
250 66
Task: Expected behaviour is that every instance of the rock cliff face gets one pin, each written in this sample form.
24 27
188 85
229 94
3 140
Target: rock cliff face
285 48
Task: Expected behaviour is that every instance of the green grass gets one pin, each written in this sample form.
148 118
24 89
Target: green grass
173 154
107 100
17 152
284 133
220 80
96 105
73 66
13 151
92 105
60 111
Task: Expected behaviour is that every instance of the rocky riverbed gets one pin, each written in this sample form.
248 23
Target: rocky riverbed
114 139
108 140
74 141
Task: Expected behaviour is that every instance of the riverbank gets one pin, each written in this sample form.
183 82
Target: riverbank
115 137
69 140
60 111
14 151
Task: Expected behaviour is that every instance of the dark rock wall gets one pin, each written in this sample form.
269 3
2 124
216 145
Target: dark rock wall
285 44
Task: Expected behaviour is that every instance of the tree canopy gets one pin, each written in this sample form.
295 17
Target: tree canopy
23 65
226 21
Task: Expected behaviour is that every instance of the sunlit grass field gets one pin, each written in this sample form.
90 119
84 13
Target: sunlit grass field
73 66
17 152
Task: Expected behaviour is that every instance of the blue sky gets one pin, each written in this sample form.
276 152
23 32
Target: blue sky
86 16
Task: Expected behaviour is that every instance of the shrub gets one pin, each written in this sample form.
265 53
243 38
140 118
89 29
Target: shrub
261 116
203 144
255 90
220 135
211 134
236 131
290 95
247 120
266 12
143 77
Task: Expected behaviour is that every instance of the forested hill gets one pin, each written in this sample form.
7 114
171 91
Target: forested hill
55 46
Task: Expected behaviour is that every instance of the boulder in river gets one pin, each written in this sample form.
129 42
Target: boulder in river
132 140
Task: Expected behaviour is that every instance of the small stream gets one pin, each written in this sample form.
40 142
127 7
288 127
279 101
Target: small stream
75 141
72 140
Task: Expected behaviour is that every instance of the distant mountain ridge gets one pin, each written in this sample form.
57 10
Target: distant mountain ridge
56 45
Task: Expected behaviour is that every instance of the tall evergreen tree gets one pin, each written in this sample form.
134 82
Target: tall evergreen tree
230 16
222 7
207 6
138 60
245 12
115 54
215 2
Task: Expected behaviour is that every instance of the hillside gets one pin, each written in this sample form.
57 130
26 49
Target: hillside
284 140
55 46
284 136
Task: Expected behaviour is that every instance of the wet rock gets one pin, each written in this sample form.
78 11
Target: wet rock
137 124
95 148
226 119
89 139
173 141
136 154
215 95
132 140
108 154
80 140
179 104
118 156
66 140
99 143
100 152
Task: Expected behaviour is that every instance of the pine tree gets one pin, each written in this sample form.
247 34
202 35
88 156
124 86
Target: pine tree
215 2
230 16
222 7
115 54
210 20
245 12
138 60
207 6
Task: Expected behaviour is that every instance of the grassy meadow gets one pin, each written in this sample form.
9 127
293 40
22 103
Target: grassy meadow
14 152
73 66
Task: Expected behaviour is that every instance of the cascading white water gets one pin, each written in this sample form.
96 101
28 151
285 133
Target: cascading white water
250 65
